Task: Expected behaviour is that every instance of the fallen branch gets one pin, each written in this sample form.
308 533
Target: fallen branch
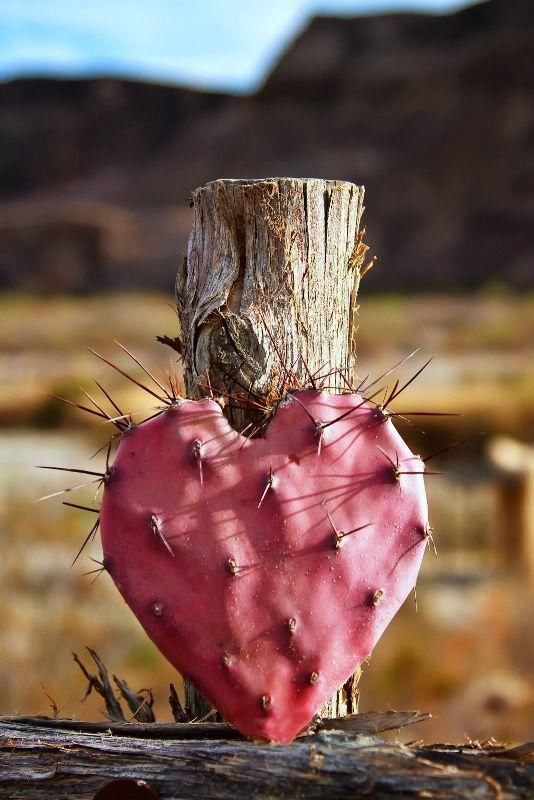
68 760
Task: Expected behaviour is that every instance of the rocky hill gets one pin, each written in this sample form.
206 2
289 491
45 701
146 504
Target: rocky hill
433 114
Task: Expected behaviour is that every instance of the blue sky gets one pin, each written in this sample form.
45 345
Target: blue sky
222 44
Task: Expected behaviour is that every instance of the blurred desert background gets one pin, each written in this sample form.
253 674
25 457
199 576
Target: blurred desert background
433 113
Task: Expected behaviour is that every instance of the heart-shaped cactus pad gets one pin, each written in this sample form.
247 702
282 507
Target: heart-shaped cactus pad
265 570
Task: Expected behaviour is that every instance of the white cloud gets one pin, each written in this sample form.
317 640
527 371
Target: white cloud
226 44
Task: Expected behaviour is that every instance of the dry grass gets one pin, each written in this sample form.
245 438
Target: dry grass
484 362
42 349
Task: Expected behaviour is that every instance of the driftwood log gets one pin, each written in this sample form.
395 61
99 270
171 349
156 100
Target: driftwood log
66 760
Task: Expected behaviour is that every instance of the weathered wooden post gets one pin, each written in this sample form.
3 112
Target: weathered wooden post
271 273
269 284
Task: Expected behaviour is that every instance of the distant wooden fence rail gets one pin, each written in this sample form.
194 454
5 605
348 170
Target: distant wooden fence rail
515 503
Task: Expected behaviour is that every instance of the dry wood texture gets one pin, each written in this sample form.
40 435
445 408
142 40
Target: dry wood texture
269 281
39 761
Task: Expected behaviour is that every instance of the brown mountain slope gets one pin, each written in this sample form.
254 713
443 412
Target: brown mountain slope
433 114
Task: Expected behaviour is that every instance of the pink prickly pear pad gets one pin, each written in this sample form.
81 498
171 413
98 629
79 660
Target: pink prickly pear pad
266 570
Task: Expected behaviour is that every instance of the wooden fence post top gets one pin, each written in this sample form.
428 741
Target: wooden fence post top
238 182
269 280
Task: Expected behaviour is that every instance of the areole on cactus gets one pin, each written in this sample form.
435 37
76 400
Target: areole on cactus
265 569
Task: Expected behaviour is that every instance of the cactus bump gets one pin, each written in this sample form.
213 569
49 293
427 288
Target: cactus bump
265 570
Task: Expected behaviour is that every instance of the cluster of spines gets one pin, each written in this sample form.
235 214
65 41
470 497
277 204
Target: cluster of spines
170 395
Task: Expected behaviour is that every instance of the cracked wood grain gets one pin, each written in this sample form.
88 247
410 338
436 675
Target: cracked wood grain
38 762
269 280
